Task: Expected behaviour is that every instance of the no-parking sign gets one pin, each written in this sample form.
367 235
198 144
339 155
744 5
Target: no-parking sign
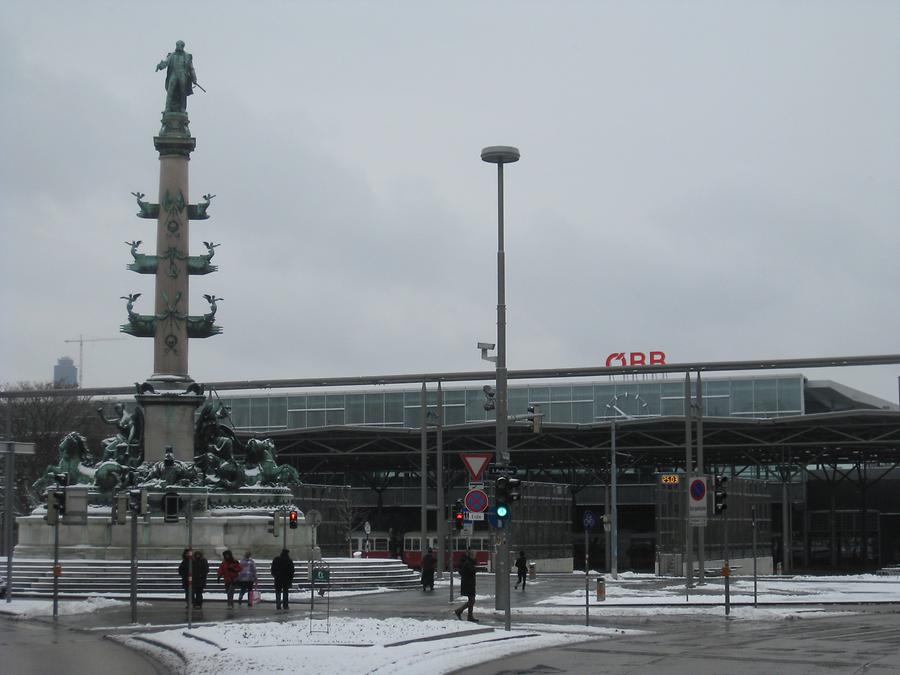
697 501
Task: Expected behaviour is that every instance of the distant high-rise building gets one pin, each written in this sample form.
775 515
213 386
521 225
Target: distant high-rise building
65 374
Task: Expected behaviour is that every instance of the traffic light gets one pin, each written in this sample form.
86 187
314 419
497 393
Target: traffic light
458 515
120 508
292 520
501 498
56 505
514 487
144 502
536 417
489 397
720 495
270 526
171 507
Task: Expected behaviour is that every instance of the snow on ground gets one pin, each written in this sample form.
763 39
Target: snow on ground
646 590
28 609
354 646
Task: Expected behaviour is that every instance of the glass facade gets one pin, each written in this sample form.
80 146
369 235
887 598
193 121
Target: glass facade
563 403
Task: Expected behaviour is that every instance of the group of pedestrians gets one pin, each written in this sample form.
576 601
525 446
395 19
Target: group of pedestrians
236 575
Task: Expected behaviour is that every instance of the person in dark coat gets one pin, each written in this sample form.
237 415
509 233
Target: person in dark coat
201 573
467 568
522 569
228 572
283 574
428 564
184 571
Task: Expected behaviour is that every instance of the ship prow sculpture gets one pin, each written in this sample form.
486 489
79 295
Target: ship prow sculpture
174 439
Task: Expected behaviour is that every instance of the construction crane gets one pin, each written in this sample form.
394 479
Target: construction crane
81 340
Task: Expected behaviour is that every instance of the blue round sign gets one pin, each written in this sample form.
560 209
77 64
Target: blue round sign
588 520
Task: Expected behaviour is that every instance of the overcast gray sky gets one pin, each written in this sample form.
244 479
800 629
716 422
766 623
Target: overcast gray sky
717 180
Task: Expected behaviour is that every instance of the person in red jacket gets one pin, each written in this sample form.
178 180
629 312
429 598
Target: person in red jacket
228 572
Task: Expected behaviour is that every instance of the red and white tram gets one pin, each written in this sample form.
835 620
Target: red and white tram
412 548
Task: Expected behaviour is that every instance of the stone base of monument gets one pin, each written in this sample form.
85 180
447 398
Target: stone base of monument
220 527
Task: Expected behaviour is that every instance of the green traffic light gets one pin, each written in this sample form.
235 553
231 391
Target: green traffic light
502 511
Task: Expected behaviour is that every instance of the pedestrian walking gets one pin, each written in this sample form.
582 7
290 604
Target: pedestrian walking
201 572
467 568
228 572
428 564
522 568
184 571
283 574
247 578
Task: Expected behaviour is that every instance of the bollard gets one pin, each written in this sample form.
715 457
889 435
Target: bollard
531 571
601 589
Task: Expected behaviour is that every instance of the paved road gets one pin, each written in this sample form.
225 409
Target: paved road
861 639
868 642
39 647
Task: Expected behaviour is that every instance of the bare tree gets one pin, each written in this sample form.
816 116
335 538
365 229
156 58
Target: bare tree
35 416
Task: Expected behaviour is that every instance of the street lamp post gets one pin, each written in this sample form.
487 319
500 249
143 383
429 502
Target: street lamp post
500 155
613 406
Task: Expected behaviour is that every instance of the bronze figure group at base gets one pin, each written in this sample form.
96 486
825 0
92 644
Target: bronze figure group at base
215 464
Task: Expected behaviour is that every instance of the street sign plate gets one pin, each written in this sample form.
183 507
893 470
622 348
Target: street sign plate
467 529
475 463
19 448
476 501
473 515
496 470
588 520
321 576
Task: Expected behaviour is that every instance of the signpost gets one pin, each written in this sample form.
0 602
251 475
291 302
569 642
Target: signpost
698 508
588 520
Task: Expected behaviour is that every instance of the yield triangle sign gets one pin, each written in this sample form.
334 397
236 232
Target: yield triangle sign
476 463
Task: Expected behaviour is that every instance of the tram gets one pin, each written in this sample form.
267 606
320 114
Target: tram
412 548
377 544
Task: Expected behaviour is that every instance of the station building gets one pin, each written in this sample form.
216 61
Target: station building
825 454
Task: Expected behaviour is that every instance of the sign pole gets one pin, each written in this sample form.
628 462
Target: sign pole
56 570
587 582
753 517
10 511
688 530
440 520
701 531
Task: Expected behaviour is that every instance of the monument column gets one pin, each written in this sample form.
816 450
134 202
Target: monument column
170 397
170 344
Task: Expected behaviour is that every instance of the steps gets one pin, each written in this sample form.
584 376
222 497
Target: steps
159 578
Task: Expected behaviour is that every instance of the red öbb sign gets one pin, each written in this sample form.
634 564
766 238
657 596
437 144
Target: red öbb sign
636 359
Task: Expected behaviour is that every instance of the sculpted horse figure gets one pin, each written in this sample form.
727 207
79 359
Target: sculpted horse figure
260 467
75 461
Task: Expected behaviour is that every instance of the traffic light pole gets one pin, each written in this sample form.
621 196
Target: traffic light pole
56 569
134 562
10 519
190 598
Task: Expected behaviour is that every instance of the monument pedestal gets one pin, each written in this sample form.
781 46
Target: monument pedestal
169 420
158 540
